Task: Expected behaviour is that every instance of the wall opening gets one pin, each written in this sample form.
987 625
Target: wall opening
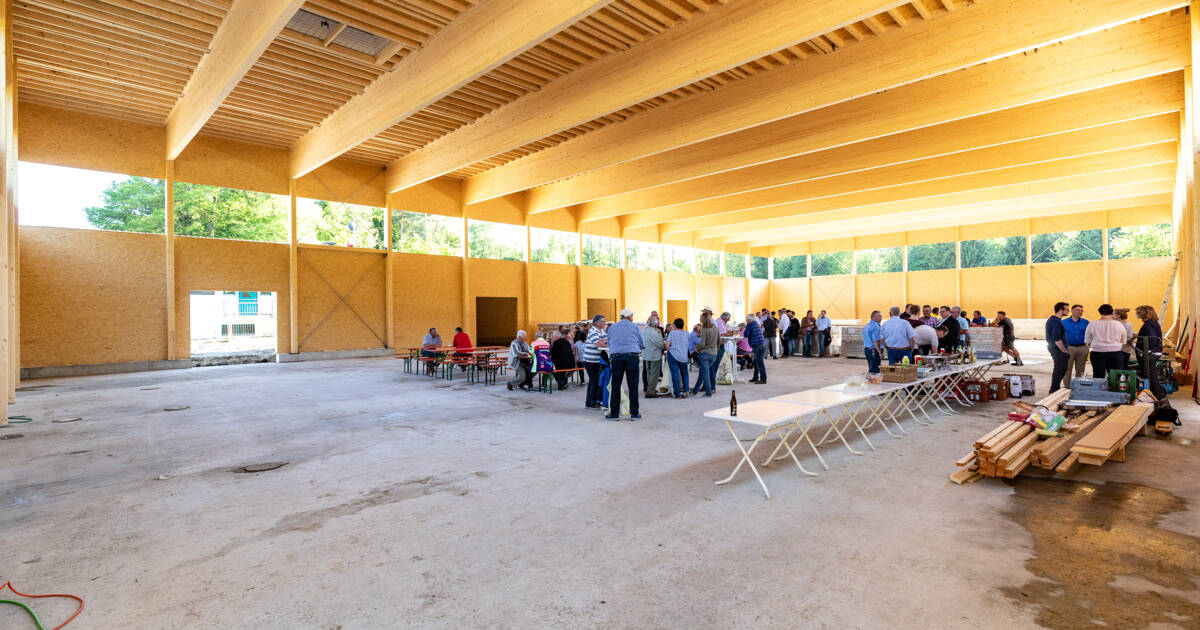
495 320
233 327
603 306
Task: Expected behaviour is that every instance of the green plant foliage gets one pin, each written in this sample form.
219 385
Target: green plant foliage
735 265
834 264
758 267
552 246
708 262
678 259
496 241
420 233
994 252
336 223
1067 246
137 204
931 256
601 251
882 260
1142 241
791 267
640 255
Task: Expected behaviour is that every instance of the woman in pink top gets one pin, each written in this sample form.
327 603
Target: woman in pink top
1105 338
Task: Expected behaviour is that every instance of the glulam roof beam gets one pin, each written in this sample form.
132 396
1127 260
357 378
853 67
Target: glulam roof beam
480 40
923 50
248 28
1153 46
705 45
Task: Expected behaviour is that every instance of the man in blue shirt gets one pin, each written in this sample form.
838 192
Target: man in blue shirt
758 344
1056 343
898 337
873 341
823 334
625 345
1077 348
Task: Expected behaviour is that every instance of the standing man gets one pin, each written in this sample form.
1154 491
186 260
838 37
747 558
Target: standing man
593 362
1106 337
808 327
793 335
1056 343
652 355
873 342
1077 349
758 346
770 330
950 342
785 324
1008 337
823 333
625 345
928 317
963 325
898 337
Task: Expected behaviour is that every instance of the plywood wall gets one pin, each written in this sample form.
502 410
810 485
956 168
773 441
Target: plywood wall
498 278
835 295
601 284
428 293
878 292
991 289
357 276
934 287
791 293
641 292
91 297
552 293
209 264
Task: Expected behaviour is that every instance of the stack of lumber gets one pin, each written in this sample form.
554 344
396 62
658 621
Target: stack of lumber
1109 438
1006 450
1052 451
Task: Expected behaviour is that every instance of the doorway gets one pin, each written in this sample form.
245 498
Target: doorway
232 327
605 307
677 309
495 320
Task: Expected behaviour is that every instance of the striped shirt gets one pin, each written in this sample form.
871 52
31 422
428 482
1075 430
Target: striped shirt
591 353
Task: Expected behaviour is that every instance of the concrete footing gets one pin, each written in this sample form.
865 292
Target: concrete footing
54 371
334 354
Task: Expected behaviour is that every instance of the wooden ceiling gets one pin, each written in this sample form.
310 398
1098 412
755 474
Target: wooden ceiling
782 140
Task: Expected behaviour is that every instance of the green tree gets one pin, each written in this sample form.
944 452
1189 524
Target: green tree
1142 241
994 252
833 264
419 233
791 267
601 251
678 259
931 256
735 265
708 262
216 212
346 224
550 246
758 267
486 240
137 204
883 260
1066 246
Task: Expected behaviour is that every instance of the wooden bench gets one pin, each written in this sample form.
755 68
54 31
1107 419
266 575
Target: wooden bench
546 380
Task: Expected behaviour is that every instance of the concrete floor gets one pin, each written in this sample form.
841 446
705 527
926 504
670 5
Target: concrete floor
408 502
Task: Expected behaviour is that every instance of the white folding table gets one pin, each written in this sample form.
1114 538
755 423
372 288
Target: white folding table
822 400
767 417
878 403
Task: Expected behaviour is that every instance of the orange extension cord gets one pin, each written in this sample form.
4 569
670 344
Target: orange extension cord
12 588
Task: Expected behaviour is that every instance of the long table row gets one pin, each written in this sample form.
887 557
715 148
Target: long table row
792 417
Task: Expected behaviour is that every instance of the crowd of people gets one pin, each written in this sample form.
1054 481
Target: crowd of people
923 330
1109 342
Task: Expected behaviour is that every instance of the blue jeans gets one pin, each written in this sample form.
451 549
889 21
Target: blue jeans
679 374
808 339
820 342
872 360
760 367
708 364
896 356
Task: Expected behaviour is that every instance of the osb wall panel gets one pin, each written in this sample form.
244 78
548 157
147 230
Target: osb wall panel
362 271
934 287
989 289
604 227
641 293
428 292
735 290
89 296
1136 281
600 283
878 292
791 293
210 264
1075 282
498 278
56 136
438 196
230 164
833 293
710 294
560 219
760 295
345 181
678 286
553 298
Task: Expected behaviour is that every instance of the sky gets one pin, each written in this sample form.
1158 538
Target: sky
55 196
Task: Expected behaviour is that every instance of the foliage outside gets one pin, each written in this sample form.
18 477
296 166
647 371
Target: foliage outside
420 233
708 262
1067 246
735 265
759 268
931 256
552 246
791 267
833 264
495 241
640 255
993 252
678 259
137 204
1142 241
882 260
334 223
601 251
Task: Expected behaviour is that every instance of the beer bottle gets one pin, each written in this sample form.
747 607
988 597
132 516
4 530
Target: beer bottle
733 403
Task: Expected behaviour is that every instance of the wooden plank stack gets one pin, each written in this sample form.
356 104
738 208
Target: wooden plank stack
1109 438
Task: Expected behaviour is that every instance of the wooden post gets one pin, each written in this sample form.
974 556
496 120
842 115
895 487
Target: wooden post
389 291
10 205
8 189
467 303
695 304
583 314
1193 141
746 273
529 325
808 275
770 278
621 304
854 278
1104 256
957 265
662 281
169 231
1028 268
721 287
904 269
293 274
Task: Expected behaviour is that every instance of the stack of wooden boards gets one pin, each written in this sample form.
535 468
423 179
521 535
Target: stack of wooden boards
1011 447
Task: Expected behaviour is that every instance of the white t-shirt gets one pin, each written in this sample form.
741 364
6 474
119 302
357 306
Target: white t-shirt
926 336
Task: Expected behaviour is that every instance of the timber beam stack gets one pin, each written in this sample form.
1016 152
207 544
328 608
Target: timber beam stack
1008 449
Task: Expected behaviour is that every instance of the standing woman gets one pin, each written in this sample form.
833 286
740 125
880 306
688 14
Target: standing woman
1150 335
706 354
677 358
1122 315
1105 337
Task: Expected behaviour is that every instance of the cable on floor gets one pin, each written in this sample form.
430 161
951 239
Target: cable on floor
37 622
10 587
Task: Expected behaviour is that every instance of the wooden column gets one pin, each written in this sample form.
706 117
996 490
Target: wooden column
1104 258
1192 221
583 314
1028 268
808 275
621 304
293 274
695 305
169 231
771 279
662 281
746 272
958 265
389 291
8 190
721 287
854 278
10 205
904 269
467 304
529 324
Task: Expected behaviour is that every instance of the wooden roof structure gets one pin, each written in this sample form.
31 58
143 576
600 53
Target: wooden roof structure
754 122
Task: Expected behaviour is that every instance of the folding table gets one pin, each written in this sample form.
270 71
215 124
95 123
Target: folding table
767 417
881 394
822 400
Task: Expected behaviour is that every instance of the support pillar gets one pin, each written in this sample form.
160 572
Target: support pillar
904 269
1029 268
579 294
468 322
1104 258
529 325
957 265
169 231
389 291
293 275
7 137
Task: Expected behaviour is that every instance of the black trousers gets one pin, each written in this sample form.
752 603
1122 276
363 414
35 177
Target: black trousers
593 397
1060 359
624 366
1102 362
